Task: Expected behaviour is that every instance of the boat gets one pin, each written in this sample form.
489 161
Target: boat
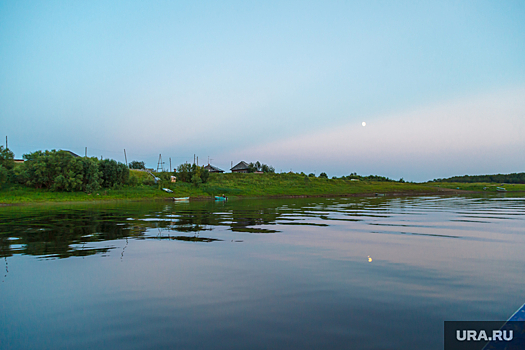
181 199
501 189
221 198
514 327
167 190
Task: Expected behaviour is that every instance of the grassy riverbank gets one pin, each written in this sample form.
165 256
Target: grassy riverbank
240 185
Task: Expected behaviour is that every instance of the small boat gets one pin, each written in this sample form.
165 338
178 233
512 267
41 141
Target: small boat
167 190
221 198
501 189
514 328
181 199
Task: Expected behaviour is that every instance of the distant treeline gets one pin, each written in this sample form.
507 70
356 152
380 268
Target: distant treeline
514 178
370 178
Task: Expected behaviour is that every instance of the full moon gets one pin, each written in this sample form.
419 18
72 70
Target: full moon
363 124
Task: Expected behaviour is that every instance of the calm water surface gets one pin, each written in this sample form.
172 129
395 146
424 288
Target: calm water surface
361 273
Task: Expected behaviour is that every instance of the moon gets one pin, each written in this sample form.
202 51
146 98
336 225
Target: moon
363 124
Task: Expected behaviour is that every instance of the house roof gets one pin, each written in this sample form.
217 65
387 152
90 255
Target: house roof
241 166
212 168
73 154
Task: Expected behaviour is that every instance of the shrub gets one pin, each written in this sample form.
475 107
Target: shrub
55 170
192 173
6 158
91 174
323 176
114 173
3 175
257 166
137 165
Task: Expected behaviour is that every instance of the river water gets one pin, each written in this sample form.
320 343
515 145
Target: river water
330 273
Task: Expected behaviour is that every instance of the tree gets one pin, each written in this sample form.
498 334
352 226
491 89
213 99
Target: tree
323 176
6 158
137 165
91 174
55 170
192 173
3 175
113 173
257 166
60 171
184 172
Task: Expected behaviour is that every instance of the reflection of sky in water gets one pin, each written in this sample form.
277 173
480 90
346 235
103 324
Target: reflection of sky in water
301 273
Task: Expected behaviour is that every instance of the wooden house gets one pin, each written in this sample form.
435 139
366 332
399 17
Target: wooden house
213 169
242 167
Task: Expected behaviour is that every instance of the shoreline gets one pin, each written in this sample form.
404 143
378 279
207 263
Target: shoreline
211 198
248 186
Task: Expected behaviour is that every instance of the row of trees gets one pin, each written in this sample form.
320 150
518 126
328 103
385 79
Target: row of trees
370 178
257 166
61 171
514 178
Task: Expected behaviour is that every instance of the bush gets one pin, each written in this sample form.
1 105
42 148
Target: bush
323 176
192 173
113 173
91 174
55 170
6 158
3 175
137 165
60 171
257 166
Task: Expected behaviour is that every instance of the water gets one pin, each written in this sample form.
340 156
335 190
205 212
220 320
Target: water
331 273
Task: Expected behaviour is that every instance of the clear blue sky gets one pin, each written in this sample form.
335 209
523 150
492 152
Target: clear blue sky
441 85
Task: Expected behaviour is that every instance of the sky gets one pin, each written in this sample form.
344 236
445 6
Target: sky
440 85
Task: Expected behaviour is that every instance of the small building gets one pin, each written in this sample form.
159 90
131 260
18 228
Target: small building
213 169
173 178
18 161
242 167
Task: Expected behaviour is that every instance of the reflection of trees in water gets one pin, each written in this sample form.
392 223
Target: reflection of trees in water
247 220
74 231
244 219
61 234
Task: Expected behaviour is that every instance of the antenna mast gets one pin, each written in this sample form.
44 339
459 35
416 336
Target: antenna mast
160 164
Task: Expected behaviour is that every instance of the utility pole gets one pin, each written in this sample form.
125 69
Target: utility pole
6 143
160 164
125 157
197 160
86 153
170 164
193 158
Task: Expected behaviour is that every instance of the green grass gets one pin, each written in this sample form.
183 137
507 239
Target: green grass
297 185
238 185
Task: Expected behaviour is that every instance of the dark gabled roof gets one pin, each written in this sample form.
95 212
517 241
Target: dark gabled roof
73 154
213 169
241 166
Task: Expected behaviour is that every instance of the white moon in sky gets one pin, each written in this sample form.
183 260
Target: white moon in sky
363 124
